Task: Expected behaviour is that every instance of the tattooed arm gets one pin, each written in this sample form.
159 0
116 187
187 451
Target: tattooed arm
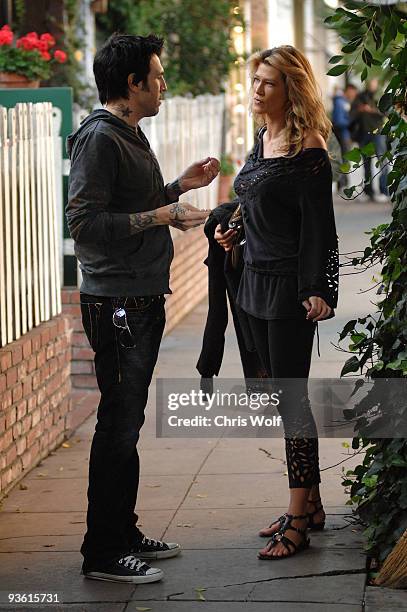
182 216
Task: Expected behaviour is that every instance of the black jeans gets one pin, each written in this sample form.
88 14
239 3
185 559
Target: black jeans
123 376
285 347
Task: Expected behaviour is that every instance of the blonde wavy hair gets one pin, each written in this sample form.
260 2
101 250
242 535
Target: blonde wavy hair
304 110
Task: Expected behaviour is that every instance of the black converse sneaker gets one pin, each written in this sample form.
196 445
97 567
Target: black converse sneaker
154 549
126 569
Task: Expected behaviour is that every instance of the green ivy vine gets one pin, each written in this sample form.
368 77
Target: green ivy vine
375 36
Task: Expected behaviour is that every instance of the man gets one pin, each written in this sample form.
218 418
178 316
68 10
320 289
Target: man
367 122
118 214
341 121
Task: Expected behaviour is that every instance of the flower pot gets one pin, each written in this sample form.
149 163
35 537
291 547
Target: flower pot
12 80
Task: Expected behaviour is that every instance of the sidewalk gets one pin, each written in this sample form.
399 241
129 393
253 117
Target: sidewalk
212 496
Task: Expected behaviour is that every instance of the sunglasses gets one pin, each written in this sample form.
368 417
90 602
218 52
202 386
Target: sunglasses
120 321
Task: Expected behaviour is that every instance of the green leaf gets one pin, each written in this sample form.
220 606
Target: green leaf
351 365
350 325
363 76
345 167
349 191
354 155
338 70
335 59
369 149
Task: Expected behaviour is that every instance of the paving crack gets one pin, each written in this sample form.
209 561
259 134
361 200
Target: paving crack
321 575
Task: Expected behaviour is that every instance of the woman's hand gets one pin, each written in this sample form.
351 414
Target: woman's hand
317 308
226 239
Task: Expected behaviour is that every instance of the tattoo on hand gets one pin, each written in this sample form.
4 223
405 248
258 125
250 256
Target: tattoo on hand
175 211
141 221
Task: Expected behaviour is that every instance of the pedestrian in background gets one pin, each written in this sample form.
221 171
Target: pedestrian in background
341 105
366 124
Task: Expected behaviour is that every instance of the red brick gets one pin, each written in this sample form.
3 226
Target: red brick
32 364
17 353
17 393
11 454
73 310
3 383
75 297
2 424
21 444
45 372
11 376
36 380
6 399
41 357
45 336
27 349
45 410
6 478
54 366
84 381
22 371
82 367
5 360
11 417
49 352
21 409
26 423
27 386
79 339
6 439
17 430
41 395
77 325
33 434
36 417
82 354
66 296
53 329
36 342
61 326
31 403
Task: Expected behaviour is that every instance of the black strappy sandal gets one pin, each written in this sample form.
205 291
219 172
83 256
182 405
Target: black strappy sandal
280 536
311 524
280 520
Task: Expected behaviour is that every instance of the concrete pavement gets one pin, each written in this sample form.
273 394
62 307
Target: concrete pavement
211 495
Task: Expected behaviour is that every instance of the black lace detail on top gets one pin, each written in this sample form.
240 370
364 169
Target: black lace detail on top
290 229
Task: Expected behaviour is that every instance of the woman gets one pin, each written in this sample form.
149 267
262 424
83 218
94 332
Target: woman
290 277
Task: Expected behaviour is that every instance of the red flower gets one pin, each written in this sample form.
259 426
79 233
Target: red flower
42 46
60 56
50 40
45 55
28 44
6 36
32 35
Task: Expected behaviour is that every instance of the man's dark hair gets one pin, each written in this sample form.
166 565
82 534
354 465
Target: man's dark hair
350 86
121 55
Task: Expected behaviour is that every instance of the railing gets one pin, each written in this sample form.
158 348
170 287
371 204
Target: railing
29 253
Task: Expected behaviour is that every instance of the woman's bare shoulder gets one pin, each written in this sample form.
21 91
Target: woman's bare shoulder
314 140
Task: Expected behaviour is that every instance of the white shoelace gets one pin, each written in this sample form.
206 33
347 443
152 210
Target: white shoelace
152 542
131 562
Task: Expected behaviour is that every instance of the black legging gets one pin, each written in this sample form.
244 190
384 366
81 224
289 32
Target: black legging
285 347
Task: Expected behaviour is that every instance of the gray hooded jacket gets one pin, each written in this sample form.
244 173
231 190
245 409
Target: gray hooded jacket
114 173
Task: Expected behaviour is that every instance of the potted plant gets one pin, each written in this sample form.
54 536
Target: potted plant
227 171
26 61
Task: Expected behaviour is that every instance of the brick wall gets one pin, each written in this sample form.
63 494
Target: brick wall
189 286
35 401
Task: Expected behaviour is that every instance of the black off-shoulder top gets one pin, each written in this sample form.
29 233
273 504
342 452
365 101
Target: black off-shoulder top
291 250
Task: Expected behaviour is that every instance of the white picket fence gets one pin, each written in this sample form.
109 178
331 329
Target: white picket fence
29 242
184 131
